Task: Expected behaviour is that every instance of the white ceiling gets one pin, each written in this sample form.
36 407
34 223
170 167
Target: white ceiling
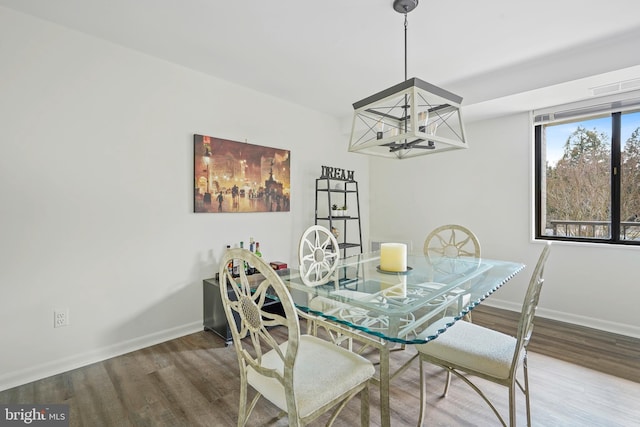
501 56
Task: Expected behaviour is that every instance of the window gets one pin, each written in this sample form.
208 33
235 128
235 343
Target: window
587 173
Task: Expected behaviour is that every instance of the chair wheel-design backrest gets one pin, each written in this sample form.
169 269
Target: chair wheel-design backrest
451 241
318 255
444 245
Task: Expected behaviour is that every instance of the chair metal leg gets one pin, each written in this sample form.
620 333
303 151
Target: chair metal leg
364 407
385 410
423 395
242 405
481 394
512 405
447 384
337 411
526 389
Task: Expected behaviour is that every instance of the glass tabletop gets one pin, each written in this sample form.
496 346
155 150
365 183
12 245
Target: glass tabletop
399 306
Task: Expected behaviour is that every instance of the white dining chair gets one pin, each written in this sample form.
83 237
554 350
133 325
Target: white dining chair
304 376
466 349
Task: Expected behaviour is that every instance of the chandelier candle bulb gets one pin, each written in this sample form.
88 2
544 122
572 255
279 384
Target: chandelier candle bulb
423 118
393 257
380 130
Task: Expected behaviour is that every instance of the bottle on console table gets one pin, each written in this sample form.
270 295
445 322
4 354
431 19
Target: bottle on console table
230 265
236 267
245 266
251 269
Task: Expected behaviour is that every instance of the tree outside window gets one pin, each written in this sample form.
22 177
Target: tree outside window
588 179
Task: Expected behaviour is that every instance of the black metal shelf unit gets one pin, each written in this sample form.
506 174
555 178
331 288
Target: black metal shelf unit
340 192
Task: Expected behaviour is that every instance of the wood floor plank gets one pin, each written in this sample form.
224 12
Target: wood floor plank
137 390
95 398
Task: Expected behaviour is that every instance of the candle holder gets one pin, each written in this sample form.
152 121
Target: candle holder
407 271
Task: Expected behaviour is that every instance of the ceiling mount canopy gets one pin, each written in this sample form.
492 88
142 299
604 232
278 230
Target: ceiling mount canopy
410 119
405 6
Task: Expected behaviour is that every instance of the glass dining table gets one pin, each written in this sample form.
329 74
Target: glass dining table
389 310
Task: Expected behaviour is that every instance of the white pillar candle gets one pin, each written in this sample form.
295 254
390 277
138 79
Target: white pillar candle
393 257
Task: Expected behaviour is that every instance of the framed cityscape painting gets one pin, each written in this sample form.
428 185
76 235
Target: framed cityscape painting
232 176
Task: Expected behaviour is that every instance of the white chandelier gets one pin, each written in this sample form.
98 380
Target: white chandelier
410 119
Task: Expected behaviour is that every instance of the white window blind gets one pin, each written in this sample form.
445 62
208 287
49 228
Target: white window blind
628 101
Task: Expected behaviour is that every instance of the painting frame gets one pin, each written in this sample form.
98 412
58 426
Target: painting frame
238 177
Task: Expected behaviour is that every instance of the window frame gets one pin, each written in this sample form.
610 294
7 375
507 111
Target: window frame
614 171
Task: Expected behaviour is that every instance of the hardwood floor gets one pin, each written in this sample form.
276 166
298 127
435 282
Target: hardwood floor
193 381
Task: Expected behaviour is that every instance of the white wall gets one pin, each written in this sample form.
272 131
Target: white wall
488 188
96 193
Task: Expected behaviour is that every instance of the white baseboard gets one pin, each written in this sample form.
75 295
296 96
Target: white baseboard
589 322
55 367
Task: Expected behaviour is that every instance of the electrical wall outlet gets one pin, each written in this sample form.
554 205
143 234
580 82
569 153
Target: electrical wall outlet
60 317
